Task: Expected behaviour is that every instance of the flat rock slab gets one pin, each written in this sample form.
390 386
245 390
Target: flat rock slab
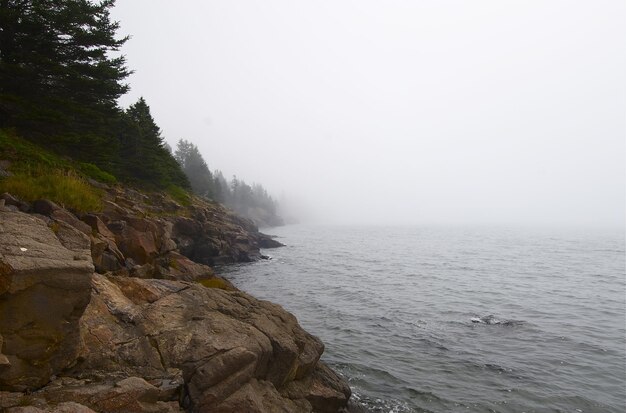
44 289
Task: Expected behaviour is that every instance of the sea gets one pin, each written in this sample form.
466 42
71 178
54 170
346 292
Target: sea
458 319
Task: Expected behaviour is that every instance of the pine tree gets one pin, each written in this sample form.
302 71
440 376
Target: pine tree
195 167
145 159
56 74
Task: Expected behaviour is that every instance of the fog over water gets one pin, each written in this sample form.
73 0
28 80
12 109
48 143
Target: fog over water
397 111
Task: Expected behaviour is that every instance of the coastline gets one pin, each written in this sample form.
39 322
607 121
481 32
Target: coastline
120 311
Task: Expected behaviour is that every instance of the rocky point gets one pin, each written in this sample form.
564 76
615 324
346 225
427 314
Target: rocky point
119 310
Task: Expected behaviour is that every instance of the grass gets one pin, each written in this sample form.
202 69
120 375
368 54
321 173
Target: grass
41 174
179 195
26 156
96 173
65 188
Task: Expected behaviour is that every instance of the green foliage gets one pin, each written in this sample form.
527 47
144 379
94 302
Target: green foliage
64 188
179 195
58 76
59 86
195 168
26 156
96 173
140 139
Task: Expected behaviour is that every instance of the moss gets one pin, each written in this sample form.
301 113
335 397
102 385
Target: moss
216 283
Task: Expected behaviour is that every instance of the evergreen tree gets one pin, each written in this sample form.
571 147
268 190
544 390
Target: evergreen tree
56 74
194 166
222 189
59 87
145 158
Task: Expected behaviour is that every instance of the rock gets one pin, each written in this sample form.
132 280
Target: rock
175 266
159 332
26 409
143 271
232 349
4 166
128 395
43 292
10 200
98 226
44 207
138 245
266 241
65 407
4 361
72 239
260 397
326 392
71 219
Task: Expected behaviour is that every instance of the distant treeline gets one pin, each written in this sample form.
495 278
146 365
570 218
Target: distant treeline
249 201
59 86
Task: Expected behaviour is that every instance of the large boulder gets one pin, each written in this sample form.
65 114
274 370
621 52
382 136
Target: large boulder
232 350
44 289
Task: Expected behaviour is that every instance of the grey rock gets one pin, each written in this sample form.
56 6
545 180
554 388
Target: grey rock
43 292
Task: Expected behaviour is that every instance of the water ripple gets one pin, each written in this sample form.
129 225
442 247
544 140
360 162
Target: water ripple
395 306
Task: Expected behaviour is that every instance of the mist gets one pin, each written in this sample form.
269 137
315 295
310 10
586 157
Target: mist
444 112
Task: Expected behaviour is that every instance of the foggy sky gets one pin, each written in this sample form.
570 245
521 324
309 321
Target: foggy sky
397 111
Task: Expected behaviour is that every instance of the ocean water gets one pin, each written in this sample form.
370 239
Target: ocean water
425 319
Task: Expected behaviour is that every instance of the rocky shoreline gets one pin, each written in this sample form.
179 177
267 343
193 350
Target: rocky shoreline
120 311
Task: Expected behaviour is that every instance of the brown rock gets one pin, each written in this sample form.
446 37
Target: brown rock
140 246
69 218
234 351
129 395
260 397
98 226
43 292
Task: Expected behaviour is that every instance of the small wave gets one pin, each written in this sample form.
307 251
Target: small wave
491 320
380 405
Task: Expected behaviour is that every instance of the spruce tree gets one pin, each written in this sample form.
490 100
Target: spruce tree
145 158
195 167
57 77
